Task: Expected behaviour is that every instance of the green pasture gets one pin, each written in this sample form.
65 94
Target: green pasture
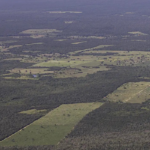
40 31
88 49
33 111
79 42
68 73
51 128
137 33
35 43
90 61
132 92
20 78
61 63
31 70
64 12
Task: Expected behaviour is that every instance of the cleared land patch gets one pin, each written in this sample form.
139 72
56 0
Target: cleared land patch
73 64
137 33
60 63
78 63
30 71
39 33
35 43
33 111
132 92
51 128
64 12
68 22
79 42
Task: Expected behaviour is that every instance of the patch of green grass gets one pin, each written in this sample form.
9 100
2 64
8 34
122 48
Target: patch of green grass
21 78
78 65
138 33
64 12
61 63
79 42
132 92
33 111
88 49
35 43
40 31
51 128
30 70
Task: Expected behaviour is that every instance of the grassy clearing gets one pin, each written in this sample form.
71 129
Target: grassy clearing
33 111
31 70
132 92
64 12
9 41
39 31
75 64
51 128
35 43
68 22
130 13
27 74
80 42
60 63
60 40
68 73
137 33
21 78
88 49
87 37
14 46
90 61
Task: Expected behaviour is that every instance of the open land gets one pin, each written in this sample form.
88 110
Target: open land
132 92
60 61
79 63
51 128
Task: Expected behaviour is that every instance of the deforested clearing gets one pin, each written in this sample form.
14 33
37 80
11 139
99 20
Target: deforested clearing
51 128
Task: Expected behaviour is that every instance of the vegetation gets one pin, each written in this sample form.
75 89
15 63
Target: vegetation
132 92
112 126
51 128
55 54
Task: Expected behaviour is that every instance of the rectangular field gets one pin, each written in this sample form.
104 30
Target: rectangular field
51 128
132 92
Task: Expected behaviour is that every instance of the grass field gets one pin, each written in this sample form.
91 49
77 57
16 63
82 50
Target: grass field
80 42
90 61
51 128
31 70
64 12
75 64
68 22
137 33
61 63
132 92
39 33
33 111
